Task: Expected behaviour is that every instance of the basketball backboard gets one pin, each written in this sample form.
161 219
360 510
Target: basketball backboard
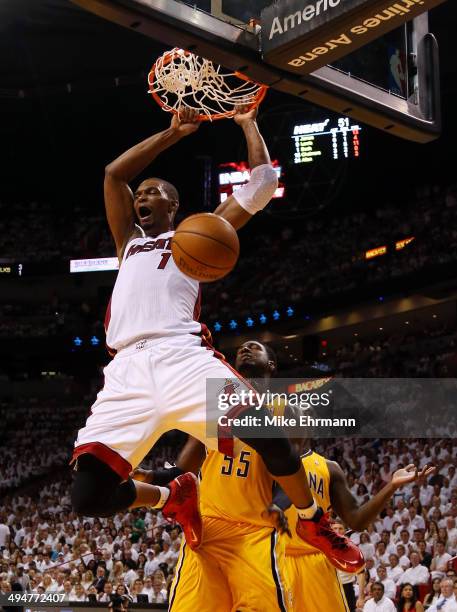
391 83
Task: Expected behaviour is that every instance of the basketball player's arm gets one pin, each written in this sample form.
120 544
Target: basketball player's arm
359 517
192 456
190 459
238 213
362 582
120 172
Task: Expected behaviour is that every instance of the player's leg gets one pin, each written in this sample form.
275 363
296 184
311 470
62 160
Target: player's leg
314 584
256 573
199 584
123 425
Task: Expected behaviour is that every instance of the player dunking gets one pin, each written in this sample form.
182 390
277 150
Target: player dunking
157 380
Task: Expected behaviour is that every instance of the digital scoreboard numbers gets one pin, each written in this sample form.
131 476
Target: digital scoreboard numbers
326 140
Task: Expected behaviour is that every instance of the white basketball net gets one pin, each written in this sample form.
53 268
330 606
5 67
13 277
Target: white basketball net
183 80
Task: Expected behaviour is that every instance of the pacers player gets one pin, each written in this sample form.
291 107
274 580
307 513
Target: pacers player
157 379
314 582
240 564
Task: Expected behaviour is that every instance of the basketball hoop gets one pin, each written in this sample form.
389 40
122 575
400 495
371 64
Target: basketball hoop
179 79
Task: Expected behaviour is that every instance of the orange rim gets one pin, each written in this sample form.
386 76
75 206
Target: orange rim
169 56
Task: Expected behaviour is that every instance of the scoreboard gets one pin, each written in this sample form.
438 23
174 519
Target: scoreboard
327 139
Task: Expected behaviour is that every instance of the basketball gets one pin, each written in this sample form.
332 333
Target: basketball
205 247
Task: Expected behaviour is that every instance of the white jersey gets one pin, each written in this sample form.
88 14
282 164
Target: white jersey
151 298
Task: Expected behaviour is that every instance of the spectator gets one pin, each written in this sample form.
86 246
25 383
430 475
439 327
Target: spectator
434 594
78 593
446 602
5 535
425 557
379 602
394 571
148 589
107 594
388 584
440 560
366 546
67 590
100 579
22 578
88 580
416 574
136 592
409 601
159 585
403 559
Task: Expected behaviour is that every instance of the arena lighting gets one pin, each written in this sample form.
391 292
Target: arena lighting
377 252
382 250
94 341
250 321
400 244
77 341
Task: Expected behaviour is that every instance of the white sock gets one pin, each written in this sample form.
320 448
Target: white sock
164 495
309 512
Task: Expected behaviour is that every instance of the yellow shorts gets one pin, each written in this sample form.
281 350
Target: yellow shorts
237 568
314 584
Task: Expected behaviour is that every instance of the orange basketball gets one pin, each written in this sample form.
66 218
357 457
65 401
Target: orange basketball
205 247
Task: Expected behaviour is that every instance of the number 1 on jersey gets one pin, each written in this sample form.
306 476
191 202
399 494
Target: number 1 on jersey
164 261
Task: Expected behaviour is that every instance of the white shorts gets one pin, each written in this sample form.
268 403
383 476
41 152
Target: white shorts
151 388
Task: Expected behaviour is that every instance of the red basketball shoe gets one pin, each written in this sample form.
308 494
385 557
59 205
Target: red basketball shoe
339 550
182 506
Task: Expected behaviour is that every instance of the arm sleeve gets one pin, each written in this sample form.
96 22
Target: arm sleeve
280 499
162 476
256 194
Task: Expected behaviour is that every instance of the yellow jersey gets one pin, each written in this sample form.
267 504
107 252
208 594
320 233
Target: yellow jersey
236 489
319 482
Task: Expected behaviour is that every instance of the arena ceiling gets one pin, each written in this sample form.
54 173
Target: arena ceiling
45 43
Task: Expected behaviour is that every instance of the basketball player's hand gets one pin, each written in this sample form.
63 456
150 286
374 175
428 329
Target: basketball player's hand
410 473
142 475
360 603
243 115
277 518
186 122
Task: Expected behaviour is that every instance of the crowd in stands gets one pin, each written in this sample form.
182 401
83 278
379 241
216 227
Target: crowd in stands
423 353
58 233
325 255
320 257
46 548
